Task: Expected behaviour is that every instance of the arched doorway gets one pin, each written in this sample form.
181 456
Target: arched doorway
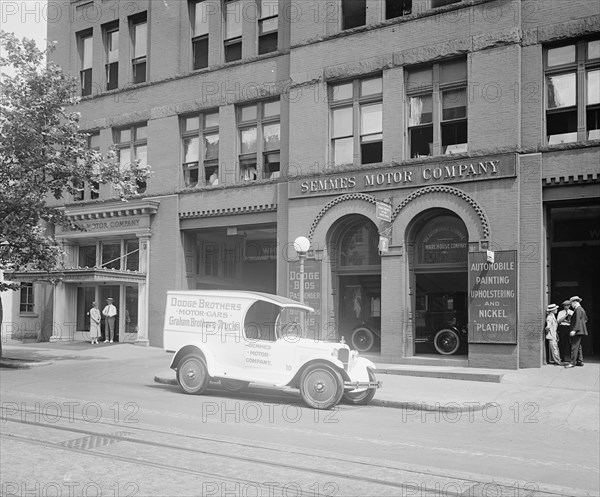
438 263
356 275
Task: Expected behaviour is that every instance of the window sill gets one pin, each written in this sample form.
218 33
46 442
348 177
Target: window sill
28 314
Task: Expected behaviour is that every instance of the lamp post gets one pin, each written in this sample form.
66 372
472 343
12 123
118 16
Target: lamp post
302 244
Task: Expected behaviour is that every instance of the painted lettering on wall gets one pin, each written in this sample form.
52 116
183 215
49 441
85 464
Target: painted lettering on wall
408 176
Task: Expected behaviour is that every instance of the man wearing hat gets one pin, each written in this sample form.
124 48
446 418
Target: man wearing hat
551 335
578 331
109 312
564 327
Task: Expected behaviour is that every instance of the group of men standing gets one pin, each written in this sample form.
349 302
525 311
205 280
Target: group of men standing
564 328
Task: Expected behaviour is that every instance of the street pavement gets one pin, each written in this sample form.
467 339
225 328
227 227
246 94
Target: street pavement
552 394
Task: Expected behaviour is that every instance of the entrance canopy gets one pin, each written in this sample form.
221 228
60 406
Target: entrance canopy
78 275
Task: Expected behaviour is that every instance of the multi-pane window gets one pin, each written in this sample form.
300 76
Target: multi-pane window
199 16
26 302
233 30
267 26
357 121
354 13
84 42
437 109
139 40
259 131
573 92
93 143
200 135
111 48
132 144
397 8
116 254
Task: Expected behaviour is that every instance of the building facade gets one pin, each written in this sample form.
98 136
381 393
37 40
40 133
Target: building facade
442 156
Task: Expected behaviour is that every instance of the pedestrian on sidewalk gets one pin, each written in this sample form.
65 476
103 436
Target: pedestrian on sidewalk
109 312
552 333
564 328
578 331
95 317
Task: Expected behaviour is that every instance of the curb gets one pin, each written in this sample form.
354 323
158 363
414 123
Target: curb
450 407
448 375
7 362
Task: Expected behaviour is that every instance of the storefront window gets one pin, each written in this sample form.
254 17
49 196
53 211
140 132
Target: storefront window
87 256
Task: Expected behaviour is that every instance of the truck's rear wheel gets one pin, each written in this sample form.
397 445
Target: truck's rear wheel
321 386
192 375
364 397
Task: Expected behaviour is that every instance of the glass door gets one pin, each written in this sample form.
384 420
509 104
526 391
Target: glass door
112 291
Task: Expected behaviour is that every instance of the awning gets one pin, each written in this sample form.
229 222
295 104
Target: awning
77 275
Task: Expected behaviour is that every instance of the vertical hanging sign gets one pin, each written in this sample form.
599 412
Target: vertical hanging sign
493 297
312 290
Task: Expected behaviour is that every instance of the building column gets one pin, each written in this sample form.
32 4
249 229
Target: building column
142 336
394 307
62 330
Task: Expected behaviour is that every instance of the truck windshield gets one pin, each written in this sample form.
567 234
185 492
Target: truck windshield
291 324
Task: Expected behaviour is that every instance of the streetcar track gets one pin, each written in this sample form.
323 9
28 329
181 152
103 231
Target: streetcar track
327 473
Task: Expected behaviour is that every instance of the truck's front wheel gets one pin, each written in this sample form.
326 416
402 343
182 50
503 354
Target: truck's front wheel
192 375
321 386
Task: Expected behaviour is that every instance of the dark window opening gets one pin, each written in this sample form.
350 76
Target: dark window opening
190 174
86 82
454 133
271 166
267 43
421 141
371 152
141 186
248 170
442 3
561 126
139 70
397 8
211 173
200 48
593 123
354 13
233 50
112 76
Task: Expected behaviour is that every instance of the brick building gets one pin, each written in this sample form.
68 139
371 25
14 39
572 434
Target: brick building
405 139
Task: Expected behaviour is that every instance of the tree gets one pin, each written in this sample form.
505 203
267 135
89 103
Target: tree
44 155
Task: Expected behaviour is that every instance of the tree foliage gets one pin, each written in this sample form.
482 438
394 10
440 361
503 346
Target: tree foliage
44 155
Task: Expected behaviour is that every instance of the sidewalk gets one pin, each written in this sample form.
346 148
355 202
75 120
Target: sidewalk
562 392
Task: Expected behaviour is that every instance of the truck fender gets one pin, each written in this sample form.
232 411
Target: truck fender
195 349
358 369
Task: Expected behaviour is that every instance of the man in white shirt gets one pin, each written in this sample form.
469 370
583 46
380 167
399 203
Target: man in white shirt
109 312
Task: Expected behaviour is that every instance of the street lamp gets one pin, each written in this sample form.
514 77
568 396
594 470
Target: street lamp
302 244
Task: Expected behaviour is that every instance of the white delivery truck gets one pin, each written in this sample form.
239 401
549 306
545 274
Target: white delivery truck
239 337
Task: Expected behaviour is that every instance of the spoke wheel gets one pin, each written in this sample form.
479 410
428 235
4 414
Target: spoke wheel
233 385
446 341
364 397
192 375
362 339
321 387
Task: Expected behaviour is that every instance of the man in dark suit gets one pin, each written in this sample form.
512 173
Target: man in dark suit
578 331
